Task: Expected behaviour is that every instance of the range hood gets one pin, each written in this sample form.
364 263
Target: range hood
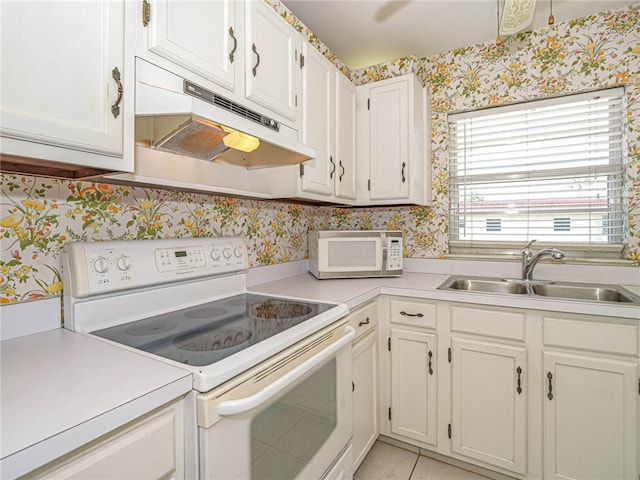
177 116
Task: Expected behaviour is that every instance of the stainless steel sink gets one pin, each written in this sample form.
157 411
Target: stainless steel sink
483 285
593 293
561 290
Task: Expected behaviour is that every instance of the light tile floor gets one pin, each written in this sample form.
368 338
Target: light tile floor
388 462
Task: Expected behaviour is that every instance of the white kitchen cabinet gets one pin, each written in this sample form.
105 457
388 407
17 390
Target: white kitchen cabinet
328 125
590 395
67 83
413 385
409 360
200 37
365 381
272 56
151 447
394 142
488 402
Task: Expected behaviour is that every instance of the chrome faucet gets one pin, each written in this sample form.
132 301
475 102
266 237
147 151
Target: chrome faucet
529 259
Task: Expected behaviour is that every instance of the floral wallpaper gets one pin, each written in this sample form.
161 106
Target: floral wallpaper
37 216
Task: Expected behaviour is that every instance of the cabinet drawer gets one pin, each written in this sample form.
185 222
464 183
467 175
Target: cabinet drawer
591 335
364 318
413 313
493 323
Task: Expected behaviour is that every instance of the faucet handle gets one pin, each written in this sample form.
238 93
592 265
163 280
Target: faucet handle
528 245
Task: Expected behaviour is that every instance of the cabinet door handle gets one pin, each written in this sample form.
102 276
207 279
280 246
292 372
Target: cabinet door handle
232 53
353 387
364 322
342 170
115 108
519 372
430 358
419 315
404 179
550 394
333 165
255 67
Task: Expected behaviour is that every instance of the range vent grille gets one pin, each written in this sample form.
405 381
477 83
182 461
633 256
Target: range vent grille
229 105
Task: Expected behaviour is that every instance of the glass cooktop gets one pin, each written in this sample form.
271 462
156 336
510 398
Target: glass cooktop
204 334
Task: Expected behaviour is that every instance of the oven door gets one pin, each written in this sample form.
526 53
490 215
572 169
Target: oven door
288 418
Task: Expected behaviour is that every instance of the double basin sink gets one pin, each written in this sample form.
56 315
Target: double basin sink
541 288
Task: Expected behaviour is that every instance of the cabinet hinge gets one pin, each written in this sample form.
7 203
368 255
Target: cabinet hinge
449 430
368 104
389 413
146 13
301 170
301 61
449 354
389 343
369 184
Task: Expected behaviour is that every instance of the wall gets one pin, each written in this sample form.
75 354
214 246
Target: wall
38 215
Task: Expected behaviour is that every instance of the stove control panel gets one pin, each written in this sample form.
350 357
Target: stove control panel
94 268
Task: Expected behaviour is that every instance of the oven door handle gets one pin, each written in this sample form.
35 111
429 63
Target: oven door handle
242 405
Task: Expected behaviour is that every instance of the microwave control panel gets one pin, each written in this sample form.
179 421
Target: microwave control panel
394 254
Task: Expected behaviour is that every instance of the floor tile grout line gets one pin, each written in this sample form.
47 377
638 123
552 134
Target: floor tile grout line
415 464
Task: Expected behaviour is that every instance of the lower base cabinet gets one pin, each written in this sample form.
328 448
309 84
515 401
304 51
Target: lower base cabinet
151 447
413 385
365 381
590 417
525 393
488 403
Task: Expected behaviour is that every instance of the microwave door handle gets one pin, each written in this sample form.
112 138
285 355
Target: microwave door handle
383 237
242 405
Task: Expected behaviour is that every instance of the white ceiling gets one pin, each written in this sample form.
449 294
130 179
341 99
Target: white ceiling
366 32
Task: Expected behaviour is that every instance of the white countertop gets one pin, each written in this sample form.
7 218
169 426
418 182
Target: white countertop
61 390
353 292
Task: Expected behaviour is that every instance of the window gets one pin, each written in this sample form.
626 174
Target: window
550 170
562 224
494 225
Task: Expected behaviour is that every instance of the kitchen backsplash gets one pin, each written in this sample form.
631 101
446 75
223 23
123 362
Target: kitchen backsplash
37 216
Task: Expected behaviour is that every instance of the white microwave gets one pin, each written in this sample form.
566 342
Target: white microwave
355 253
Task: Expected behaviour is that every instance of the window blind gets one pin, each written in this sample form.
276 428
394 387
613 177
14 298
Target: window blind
550 170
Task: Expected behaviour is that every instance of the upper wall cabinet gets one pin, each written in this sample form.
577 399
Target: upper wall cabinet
67 83
201 37
272 51
394 142
328 125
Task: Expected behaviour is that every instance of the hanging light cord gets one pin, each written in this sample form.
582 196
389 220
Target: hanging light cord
551 18
498 39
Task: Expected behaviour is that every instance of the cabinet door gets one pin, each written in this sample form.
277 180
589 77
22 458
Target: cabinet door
365 396
590 417
345 137
318 122
389 141
272 69
58 61
199 36
488 403
413 385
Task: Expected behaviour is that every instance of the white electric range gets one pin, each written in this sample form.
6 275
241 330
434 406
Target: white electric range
253 357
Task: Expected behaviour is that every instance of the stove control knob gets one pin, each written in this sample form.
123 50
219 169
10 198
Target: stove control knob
101 265
238 252
227 252
215 254
123 263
